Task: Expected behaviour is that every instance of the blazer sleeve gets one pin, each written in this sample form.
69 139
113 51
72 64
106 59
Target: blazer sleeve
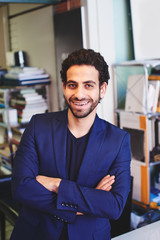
25 188
96 202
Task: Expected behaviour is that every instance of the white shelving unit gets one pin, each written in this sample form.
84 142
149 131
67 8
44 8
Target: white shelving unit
140 124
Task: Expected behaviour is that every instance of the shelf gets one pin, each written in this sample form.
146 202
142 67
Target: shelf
154 163
3 125
11 129
149 115
33 1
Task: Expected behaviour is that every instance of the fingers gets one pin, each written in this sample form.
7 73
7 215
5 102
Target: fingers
79 213
106 180
107 186
106 183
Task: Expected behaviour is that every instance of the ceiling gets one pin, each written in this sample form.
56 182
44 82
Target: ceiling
3 2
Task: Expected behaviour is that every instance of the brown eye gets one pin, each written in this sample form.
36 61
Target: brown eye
71 85
89 86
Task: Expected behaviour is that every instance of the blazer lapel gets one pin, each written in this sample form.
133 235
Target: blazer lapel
59 143
91 155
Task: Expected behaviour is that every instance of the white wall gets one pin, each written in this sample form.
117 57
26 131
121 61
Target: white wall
100 37
146 24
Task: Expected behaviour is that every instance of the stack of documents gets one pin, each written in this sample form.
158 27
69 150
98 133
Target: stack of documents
25 76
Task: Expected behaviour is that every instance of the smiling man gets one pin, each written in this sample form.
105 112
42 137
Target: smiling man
82 91
72 169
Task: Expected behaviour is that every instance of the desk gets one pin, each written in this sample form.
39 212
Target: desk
149 232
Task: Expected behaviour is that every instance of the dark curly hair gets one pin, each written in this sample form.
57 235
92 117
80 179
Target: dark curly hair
87 57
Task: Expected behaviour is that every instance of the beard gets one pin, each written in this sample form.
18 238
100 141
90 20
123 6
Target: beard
80 113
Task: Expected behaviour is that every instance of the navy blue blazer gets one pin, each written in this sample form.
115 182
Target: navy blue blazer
42 151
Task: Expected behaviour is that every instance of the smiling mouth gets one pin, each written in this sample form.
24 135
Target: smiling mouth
80 103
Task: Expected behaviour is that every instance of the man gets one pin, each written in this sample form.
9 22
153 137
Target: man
72 170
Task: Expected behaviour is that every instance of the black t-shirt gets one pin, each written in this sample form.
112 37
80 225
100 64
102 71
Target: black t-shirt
75 151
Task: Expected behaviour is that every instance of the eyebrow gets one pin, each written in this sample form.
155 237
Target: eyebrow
88 81
71 81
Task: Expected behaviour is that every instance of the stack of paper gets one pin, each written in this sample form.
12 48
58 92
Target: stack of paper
25 76
154 95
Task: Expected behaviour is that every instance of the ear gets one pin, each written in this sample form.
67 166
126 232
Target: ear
103 89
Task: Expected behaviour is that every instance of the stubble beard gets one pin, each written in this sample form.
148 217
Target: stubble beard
79 113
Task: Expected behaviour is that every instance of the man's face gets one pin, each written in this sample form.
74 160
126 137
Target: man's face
82 91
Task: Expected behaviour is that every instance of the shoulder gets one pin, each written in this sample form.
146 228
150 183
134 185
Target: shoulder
111 128
44 121
47 117
114 136
112 133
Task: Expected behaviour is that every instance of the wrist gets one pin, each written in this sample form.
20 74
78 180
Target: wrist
55 184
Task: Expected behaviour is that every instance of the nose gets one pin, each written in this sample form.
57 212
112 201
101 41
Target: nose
79 93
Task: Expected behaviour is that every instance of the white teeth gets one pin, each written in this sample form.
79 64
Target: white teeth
80 104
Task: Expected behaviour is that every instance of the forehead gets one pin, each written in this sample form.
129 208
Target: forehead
82 72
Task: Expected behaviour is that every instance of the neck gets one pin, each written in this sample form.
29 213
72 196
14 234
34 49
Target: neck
80 126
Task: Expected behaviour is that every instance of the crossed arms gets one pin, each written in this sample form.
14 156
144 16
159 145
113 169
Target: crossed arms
52 184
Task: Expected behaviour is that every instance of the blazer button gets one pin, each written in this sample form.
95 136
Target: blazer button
62 204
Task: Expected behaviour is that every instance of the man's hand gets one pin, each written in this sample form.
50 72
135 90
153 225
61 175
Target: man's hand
106 183
52 184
